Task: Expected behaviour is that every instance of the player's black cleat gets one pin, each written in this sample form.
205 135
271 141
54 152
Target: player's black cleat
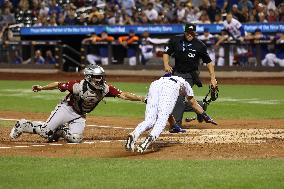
130 143
145 144
177 129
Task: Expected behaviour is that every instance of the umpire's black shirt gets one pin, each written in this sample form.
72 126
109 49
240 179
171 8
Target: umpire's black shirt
187 53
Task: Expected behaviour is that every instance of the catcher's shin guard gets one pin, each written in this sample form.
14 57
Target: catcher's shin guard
57 134
71 137
24 126
18 129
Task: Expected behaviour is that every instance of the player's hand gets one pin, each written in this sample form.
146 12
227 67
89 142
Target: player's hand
208 119
36 88
168 69
212 122
213 82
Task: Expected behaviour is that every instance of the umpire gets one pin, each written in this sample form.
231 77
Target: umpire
187 51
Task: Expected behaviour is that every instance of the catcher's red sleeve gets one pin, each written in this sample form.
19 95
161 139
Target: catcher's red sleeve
68 86
113 92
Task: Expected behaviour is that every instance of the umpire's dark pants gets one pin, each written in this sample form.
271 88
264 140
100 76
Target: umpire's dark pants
181 106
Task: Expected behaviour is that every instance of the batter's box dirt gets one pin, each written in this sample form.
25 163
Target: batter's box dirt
226 136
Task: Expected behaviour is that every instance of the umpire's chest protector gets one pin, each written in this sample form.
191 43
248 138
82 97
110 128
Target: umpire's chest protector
186 54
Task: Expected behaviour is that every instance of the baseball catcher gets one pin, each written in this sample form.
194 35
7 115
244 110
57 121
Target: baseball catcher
68 118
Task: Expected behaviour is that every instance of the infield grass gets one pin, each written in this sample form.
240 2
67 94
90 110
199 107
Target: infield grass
235 101
45 173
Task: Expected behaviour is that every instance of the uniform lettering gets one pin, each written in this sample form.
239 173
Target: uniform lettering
190 55
166 48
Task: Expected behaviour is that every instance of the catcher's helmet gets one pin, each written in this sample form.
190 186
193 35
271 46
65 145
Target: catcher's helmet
95 75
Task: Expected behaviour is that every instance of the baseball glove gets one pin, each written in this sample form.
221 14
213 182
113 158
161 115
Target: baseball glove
214 94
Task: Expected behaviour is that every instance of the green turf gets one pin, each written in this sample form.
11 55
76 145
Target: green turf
235 101
20 172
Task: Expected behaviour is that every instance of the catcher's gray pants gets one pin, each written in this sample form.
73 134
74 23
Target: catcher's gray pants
61 115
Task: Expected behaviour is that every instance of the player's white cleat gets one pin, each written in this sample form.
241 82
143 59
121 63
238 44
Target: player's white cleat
145 144
130 143
17 130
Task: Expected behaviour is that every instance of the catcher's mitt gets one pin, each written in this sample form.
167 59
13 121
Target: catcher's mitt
213 92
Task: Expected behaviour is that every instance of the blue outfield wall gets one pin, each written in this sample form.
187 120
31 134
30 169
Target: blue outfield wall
152 29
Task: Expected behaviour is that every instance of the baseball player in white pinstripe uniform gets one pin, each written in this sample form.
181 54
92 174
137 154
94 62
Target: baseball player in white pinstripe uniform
161 99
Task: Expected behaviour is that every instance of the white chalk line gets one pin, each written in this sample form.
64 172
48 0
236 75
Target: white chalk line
56 144
98 126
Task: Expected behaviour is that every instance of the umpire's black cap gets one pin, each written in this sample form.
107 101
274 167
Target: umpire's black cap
190 28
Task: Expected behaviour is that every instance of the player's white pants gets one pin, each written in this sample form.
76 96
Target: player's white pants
104 61
221 55
61 115
271 59
93 58
132 61
161 100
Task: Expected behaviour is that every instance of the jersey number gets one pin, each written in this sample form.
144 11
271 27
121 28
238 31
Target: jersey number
190 55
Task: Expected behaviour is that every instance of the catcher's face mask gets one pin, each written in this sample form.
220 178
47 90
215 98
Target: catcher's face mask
95 76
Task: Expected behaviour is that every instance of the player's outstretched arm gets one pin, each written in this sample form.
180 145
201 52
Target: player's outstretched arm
199 110
50 86
131 97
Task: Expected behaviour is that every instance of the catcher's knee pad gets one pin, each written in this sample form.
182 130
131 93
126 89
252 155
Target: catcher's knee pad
74 137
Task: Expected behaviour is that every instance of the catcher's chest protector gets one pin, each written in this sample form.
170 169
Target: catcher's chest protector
86 99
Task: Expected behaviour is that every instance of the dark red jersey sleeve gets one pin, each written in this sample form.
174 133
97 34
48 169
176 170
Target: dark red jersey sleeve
68 86
113 92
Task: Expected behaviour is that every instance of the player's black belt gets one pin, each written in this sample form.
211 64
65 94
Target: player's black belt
173 80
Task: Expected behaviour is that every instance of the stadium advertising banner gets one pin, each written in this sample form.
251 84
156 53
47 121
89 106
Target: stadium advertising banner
153 29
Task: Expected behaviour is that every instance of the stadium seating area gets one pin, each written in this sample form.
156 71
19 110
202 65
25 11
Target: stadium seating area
122 12
35 13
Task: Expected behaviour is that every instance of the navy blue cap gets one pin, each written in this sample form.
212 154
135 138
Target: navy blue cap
190 27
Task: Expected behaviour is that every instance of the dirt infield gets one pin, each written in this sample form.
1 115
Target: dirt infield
234 139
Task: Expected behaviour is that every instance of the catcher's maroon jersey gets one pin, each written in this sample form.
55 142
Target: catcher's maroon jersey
83 97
